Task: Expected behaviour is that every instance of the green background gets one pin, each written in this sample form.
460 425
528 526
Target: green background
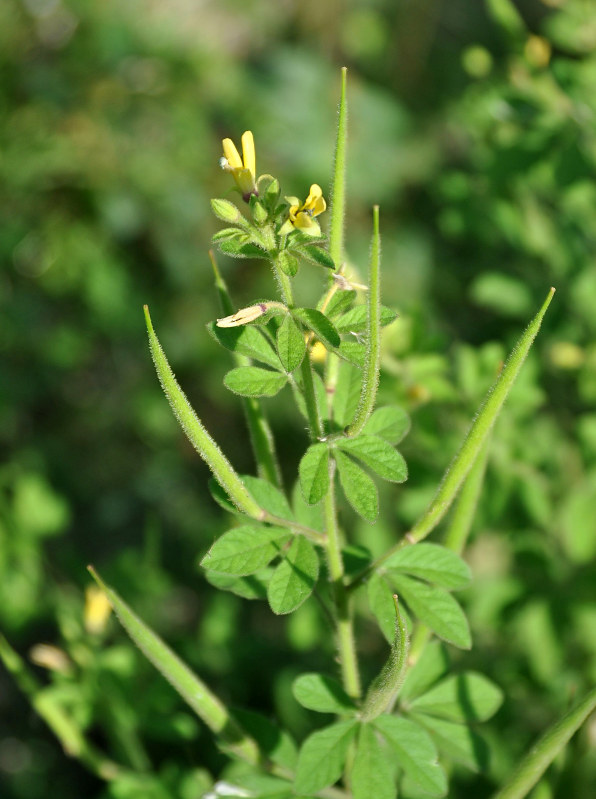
473 125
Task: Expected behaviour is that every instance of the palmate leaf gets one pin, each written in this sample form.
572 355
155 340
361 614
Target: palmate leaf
252 586
322 756
436 608
321 693
252 381
456 741
268 496
346 394
378 455
192 689
461 698
314 473
433 663
291 345
245 550
415 752
372 775
323 329
246 340
431 562
294 579
360 490
354 320
389 422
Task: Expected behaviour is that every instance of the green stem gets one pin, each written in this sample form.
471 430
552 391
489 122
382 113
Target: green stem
466 505
259 431
478 433
370 378
457 533
198 436
338 190
197 695
471 447
345 632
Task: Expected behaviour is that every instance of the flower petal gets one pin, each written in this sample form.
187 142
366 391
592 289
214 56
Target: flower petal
232 154
248 152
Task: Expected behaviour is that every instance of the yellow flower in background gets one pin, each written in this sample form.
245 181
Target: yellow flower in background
244 170
97 609
302 216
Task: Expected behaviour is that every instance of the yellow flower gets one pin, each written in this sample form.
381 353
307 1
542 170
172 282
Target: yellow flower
302 216
246 315
97 609
244 170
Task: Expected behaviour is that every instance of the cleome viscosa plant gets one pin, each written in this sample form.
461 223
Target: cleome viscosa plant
397 735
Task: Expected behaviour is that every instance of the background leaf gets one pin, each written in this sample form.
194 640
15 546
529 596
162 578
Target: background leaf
371 775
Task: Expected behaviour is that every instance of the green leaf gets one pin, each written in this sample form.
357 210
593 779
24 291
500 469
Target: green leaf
229 233
346 394
194 692
316 255
314 473
322 756
354 320
384 689
390 422
380 600
461 697
287 262
433 663
321 693
415 752
323 329
436 608
276 743
226 211
237 249
291 345
431 562
253 586
268 496
371 776
246 340
456 741
359 488
542 754
295 577
245 550
339 303
352 351
252 381
378 455
308 515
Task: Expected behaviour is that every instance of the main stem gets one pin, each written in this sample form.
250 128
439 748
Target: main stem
342 602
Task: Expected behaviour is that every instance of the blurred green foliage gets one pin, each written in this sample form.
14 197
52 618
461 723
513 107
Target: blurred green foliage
473 125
